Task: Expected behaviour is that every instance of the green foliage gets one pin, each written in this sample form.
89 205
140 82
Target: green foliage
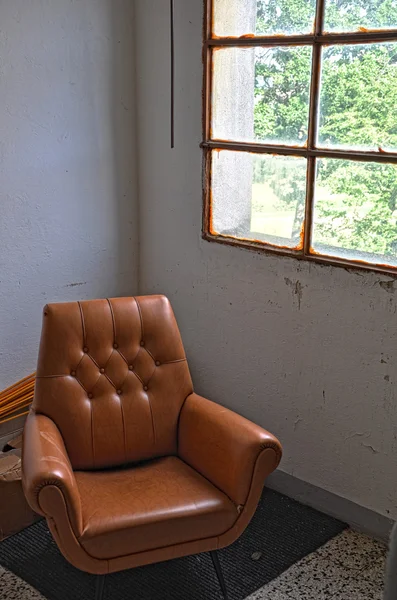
358 93
360 213
285 16
349 15
356 202
282 94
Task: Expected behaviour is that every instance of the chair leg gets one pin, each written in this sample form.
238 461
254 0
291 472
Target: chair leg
99 587
218 569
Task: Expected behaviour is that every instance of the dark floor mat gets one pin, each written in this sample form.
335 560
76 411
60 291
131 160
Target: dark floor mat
283 530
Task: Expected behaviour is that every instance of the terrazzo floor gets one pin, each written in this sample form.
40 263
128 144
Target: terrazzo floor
348 567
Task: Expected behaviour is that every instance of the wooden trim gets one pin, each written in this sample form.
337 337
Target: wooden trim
207 225
324 39
310 193
207 71
313 129
355 155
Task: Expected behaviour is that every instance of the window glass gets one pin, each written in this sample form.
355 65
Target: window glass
356 15
359 97
235 18
261 94
355 212
258 197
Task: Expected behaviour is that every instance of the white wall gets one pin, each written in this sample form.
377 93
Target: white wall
309 352
68 205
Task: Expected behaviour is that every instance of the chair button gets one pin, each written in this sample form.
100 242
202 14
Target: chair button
85 349
158 363
90 396
142 343
145 387
131 367
119 392
73 373
102 371
115 346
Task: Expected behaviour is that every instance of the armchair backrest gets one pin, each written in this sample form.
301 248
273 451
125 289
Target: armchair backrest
113 376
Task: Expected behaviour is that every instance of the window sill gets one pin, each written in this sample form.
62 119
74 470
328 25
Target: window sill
263 248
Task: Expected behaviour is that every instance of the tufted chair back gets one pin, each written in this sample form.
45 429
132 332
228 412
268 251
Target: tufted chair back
112 374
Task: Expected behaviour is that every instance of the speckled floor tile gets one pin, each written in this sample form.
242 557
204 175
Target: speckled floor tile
349 567
268 595
360 590
314 578
14 588
353 550
375 573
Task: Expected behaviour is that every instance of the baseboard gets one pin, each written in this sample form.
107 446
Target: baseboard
359 518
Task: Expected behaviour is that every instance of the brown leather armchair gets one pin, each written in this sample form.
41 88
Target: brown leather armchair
128 465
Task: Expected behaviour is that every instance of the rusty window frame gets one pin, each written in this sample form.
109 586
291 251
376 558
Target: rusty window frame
316 40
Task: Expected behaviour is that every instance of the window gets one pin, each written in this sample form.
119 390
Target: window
300 128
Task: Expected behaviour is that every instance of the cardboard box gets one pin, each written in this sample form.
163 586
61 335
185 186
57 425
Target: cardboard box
14 444
10 429
15 513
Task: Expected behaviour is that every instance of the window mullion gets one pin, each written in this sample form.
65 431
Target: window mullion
325 39
310 187
207 73
311 143
315 82
313 127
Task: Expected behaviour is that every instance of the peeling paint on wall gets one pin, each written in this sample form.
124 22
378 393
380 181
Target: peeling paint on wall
297 289
388 286
77 284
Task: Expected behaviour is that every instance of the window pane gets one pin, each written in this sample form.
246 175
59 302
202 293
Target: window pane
235 18
359 96
355 213
258 197
261 94
354 15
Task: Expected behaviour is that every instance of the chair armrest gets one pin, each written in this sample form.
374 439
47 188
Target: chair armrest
45 463
226 448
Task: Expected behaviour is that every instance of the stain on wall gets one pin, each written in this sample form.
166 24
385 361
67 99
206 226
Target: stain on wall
297 290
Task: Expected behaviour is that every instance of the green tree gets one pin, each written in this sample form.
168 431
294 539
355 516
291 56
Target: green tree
357 109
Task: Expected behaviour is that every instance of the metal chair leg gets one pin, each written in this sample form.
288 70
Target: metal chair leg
218 569
99 587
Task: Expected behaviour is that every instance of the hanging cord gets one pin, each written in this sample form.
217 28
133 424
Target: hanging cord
172 40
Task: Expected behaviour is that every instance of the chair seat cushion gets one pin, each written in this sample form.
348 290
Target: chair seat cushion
153 505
